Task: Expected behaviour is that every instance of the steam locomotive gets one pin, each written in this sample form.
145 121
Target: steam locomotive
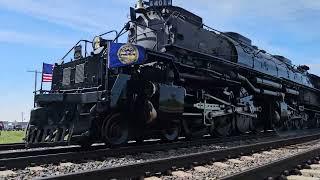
174 77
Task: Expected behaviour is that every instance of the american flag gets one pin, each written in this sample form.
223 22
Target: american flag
47 72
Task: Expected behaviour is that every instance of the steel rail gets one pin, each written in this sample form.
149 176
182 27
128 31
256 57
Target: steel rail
278 169
44 151
15 146
5 147
164 165
83 154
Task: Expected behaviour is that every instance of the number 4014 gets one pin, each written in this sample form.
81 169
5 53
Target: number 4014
160 2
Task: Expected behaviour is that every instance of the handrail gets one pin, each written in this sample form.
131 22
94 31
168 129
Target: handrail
86 41
112 31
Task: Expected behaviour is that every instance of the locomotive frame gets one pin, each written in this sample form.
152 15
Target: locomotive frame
177 77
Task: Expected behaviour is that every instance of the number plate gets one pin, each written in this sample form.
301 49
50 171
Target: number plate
160 2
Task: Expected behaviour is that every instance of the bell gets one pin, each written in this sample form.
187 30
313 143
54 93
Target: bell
140 7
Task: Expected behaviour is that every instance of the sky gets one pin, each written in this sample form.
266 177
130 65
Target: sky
36 31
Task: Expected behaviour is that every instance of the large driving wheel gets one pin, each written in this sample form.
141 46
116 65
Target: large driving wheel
172 133
223 126
115 130
297 123
244 124
313 121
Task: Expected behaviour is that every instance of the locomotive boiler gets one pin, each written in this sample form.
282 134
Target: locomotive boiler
174 77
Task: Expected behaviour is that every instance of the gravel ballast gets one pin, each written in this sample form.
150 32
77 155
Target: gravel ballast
218 170
202 172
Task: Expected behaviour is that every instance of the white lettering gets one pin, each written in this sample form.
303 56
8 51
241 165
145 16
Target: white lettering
160 2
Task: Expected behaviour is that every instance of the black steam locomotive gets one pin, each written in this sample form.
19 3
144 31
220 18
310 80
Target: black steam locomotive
175 77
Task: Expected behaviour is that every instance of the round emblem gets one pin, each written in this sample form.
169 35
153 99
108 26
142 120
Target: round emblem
128 54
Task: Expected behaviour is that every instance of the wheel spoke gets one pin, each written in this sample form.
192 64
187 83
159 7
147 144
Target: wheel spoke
115 131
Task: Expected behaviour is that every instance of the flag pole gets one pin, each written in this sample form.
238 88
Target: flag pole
36 72
41 79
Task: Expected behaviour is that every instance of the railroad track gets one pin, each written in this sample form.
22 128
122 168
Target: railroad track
167 165
21 146
301 166
22 159
44 151
4 147
16 146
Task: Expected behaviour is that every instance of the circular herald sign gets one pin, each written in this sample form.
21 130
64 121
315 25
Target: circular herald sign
128 54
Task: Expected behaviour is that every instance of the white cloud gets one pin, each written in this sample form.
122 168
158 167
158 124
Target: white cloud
34 39
259 20
314 68
271 8
280 14
80 15
311 4
100 15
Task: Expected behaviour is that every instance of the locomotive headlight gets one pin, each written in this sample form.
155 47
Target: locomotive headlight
97 42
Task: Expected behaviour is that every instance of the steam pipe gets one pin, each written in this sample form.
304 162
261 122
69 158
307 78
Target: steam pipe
204 78
257 90
293 92
268 83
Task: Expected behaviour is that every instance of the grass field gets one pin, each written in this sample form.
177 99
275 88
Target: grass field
7 137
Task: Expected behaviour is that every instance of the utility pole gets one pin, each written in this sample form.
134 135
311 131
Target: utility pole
22 116
36 72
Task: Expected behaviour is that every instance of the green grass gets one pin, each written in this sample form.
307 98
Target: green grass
8 137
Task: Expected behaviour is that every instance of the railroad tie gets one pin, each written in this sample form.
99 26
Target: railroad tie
301 178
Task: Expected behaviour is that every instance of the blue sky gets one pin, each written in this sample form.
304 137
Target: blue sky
36 31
